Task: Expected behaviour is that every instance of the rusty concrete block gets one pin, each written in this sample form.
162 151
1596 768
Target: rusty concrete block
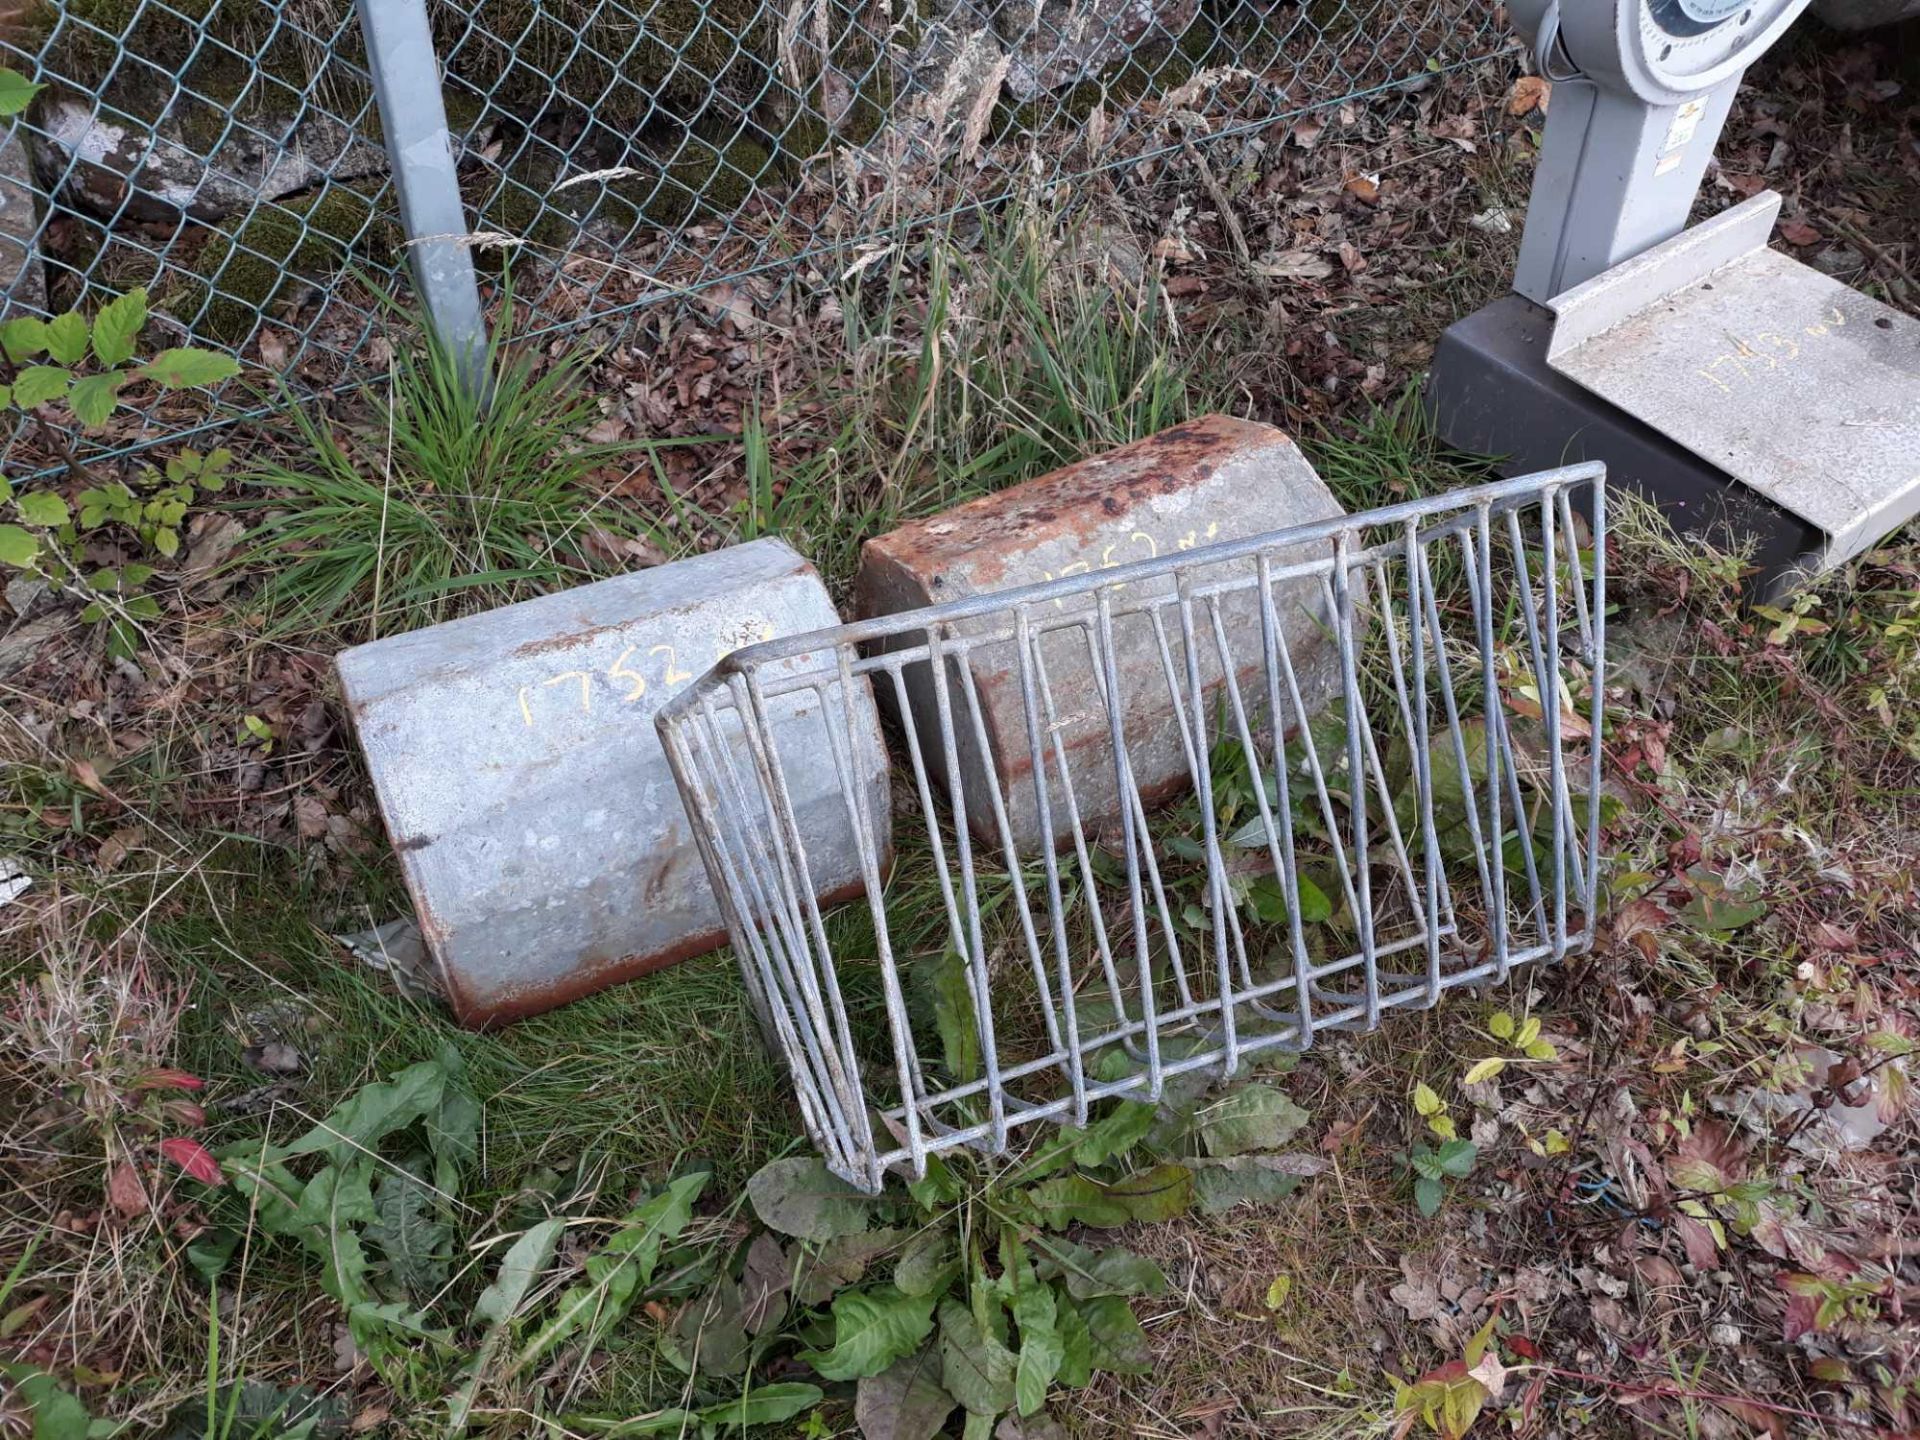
528 798
1214 480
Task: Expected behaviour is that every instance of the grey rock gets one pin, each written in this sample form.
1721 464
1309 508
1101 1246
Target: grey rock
125 170
23 284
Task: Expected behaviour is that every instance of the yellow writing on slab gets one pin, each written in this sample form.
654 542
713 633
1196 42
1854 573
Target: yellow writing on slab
1137 546
630 677
1748 362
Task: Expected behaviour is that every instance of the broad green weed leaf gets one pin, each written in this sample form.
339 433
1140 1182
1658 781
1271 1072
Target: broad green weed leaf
1114 1134
616 1272
1119 1344
334 1204
939 1186
1219 1185
1157 1194
499 1304
927 1264
1076 1344
975 1368
410 1238
799 1196
763 1405
954 1016
872 1329
117 327
1073 1199
840 1262
1087 1273
184 366
526 1259
361 1122
56 1414
904 1401
1253 1117
712 1330
1041 1349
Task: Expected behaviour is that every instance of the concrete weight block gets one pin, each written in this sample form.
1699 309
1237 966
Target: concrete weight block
1212 481
526 793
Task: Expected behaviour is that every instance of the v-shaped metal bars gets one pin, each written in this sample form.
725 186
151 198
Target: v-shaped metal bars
1432 826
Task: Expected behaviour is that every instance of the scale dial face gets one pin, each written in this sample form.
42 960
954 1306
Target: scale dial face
1667 51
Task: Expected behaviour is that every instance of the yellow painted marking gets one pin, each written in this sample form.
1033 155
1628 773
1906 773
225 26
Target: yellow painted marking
673 676
619 671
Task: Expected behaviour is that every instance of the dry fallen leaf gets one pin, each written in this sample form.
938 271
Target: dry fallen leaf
1294 265
1529 93
1798 232
124 1190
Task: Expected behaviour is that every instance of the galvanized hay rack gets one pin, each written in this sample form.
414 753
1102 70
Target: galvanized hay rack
1129 954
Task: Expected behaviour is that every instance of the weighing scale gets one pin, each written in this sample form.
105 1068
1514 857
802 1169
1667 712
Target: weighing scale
1753 397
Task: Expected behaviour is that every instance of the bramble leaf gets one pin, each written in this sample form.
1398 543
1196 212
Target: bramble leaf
1485 1069
94 398
118 326
186 366
67 337
37 384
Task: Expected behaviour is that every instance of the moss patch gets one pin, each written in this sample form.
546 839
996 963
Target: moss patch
233 279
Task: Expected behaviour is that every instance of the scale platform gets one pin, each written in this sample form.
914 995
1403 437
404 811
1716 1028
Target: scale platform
1755 398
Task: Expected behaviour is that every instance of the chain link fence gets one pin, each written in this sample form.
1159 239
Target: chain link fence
230 155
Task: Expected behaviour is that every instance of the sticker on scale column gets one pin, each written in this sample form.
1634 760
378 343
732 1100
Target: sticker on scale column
1680 131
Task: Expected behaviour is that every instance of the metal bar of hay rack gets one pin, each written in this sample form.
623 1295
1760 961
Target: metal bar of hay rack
1448 652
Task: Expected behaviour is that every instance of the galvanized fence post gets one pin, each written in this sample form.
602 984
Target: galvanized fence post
406 83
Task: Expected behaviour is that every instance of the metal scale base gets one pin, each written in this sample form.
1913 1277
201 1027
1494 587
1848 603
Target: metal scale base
1753 397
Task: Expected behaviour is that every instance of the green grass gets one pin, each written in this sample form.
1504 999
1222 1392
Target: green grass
445 499
963 364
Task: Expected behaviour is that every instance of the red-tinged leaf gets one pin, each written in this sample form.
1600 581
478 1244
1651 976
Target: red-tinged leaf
1801 1318
185 1112
1893 1093
1698 1240
168 1079
125 1192
1523 1347
1760 1419
194 1158
1798 232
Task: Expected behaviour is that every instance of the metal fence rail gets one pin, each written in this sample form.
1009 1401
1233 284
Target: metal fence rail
1430 824
230 154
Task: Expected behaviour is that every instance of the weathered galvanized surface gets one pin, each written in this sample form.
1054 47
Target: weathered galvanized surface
1803 389
526 793
1216 479
1116 964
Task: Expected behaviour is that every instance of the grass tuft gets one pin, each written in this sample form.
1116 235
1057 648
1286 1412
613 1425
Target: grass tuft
446 500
